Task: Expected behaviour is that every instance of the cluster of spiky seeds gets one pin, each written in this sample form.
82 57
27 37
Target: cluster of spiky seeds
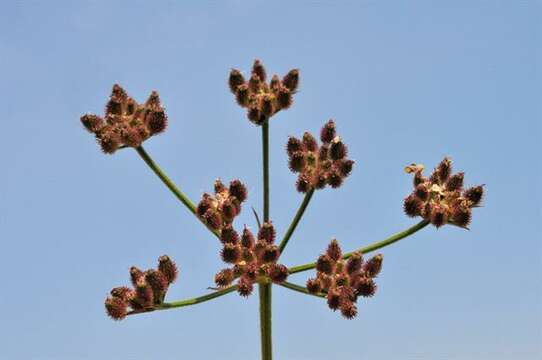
253 260
344 282
221 209
126 123
149 290
319 166
441 198
263 100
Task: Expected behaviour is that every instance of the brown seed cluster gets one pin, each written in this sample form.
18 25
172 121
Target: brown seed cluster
319 166
261 99
441 198
344 281
149 289
126 123
253 259
220 210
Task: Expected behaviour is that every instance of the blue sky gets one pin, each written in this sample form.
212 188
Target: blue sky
406 81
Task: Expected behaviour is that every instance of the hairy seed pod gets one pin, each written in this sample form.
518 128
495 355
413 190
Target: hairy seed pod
474 194
443 170
157 122
455 182
320 181
438 215
293 145
422 191
168 267
278 273
337 149
412 206
334 179
461 215
224 277
144 293
309 142
270 254
365 287
274 84
92 123
334 250
230 253
259 70
213 219
291 80
328 132
419 178
284 97
254 83
325 264
314 286
303 183
235 80
122 292
135 275
254 115
238 190
373 266
219 186
267 232
348 310
247 239
354 264
109 142
229 211
333 299
268 108
116 307
345 167
245 286
158 283
297 161
228 235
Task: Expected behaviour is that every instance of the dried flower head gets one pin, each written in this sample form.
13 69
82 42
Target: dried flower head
344 282
319 166
261 99
126 123
440 199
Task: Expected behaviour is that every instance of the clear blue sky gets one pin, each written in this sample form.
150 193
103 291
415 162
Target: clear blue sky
406 81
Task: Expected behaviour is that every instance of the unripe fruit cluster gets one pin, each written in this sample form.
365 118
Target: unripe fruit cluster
344 281
126 123
319 166
262 100
149 289
441 198
221 209
253 259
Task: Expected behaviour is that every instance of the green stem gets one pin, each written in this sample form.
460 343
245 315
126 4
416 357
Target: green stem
188 302
372 247
264 289
171 186
300 289
296 220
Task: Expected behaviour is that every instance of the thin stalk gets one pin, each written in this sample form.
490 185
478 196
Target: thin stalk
300 289
171 186
372 247
188 302
295 221
264 289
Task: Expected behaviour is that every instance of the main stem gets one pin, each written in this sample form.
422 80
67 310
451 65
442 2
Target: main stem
265 288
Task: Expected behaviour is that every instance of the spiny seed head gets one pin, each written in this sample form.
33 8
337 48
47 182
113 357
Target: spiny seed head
297 161
337 149
354 264
92 122
345 167
365 287
157 122
284 97
293 145
168 268
314 286
224 277
419 178
474 194
135 275
242 95
373 266
254 83
455 182
121 292
333 299
244 286
144 293
270 254
303 183
334 179
229 210
412 206
275 83
267 232
348 310
228 235
438 215
109 142
325 264
278 273
213 219
116 307
239 190
334 250
219 186
309 142
291 80
254 115
461 215
230 253
158 283
247 238
268 108
235 79
328 132
443 170
259 70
